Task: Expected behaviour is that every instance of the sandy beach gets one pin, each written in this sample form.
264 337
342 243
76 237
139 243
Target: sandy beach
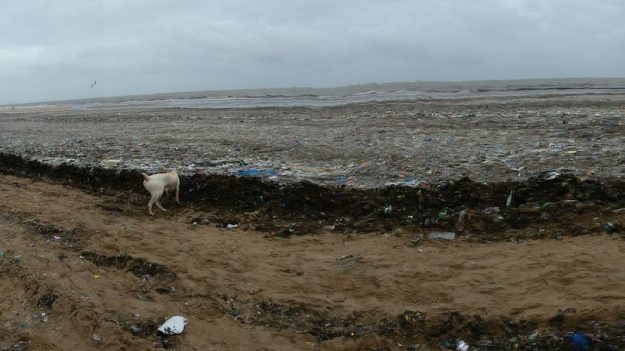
537 227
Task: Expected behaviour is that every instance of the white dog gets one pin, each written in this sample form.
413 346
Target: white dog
156 184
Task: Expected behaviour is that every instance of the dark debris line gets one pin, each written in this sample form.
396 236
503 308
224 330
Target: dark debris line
484 210
413 329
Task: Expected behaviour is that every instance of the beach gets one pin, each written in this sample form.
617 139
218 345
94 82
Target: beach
314 227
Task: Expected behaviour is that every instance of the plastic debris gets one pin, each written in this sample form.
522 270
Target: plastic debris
443 235
462 346
462 217
348 261
341 179
174 325
442 214
416 239
404 182
135 330
235 313
42 316
388 209
580 342
551 175
232 226
112 163
491 210
609 227
253 172
509 200
1 253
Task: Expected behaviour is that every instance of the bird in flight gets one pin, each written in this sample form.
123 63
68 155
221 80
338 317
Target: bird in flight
92 85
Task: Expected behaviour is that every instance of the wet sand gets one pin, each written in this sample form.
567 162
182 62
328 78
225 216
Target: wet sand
229 283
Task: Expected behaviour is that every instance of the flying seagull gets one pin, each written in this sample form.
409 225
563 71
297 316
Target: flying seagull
92 85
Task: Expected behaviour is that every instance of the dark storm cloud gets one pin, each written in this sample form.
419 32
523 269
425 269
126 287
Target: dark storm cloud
55 49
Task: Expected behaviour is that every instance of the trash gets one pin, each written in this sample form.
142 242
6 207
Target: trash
443 235
462 346
580 342
547 204
165 290
509 200
112 163
135 330
341 179
442 214
253 172
56 237
1 253
416 239
231 226
235 312
43 316
533 336
347 261
446 344
174 325
462 216
388 209
551 175
491 210
570 203
404 182
609 227
97 338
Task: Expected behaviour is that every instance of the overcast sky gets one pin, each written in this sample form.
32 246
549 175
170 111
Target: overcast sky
52 50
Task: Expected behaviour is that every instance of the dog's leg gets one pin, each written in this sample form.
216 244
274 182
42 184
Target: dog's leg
150 206
158 204
178 192
154 199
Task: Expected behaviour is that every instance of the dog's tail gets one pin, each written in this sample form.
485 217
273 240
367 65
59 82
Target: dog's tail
145 176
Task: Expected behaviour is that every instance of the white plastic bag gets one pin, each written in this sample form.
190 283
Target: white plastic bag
174 325
462 346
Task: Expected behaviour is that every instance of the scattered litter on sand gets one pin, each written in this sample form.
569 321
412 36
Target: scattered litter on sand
442 235
346 262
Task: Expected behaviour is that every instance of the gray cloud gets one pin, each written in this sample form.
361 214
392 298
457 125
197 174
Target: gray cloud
54 49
